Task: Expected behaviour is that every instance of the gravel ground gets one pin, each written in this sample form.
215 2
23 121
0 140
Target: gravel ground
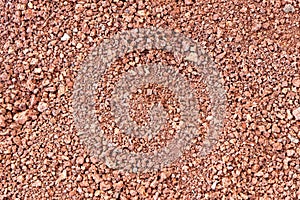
255 45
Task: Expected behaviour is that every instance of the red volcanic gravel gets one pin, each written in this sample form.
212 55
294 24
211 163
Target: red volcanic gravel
256 48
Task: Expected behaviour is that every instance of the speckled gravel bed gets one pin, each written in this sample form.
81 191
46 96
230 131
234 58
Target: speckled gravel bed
256 48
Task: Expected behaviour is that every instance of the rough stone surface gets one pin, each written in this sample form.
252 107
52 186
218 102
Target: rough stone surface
255 45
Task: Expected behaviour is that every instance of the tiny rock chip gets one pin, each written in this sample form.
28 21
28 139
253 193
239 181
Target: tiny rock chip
65 37
290 152
221 55
163 176
118 186
67 140
287 160
17 140
37 70
298 150
133 193
256 26
289 115
84 184
215 17
80 160
97 178
141 191
105 186
34 61
2 121
94 160
277 146
244 196
61 90
42 106
296 113
244 9
149 92
275 129
63 175
296 82
21 117
4 133
260 173
65 157
293 139
30 5
97 193
295 128
89 13
153 184
37 183
20 179
288 8
117 131
79 45
188 2
213 187
141 12
192 57
255 168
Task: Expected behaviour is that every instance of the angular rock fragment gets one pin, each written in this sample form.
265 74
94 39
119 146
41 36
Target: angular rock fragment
288 8
42 106
2 121
21 117
296 113
65 37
